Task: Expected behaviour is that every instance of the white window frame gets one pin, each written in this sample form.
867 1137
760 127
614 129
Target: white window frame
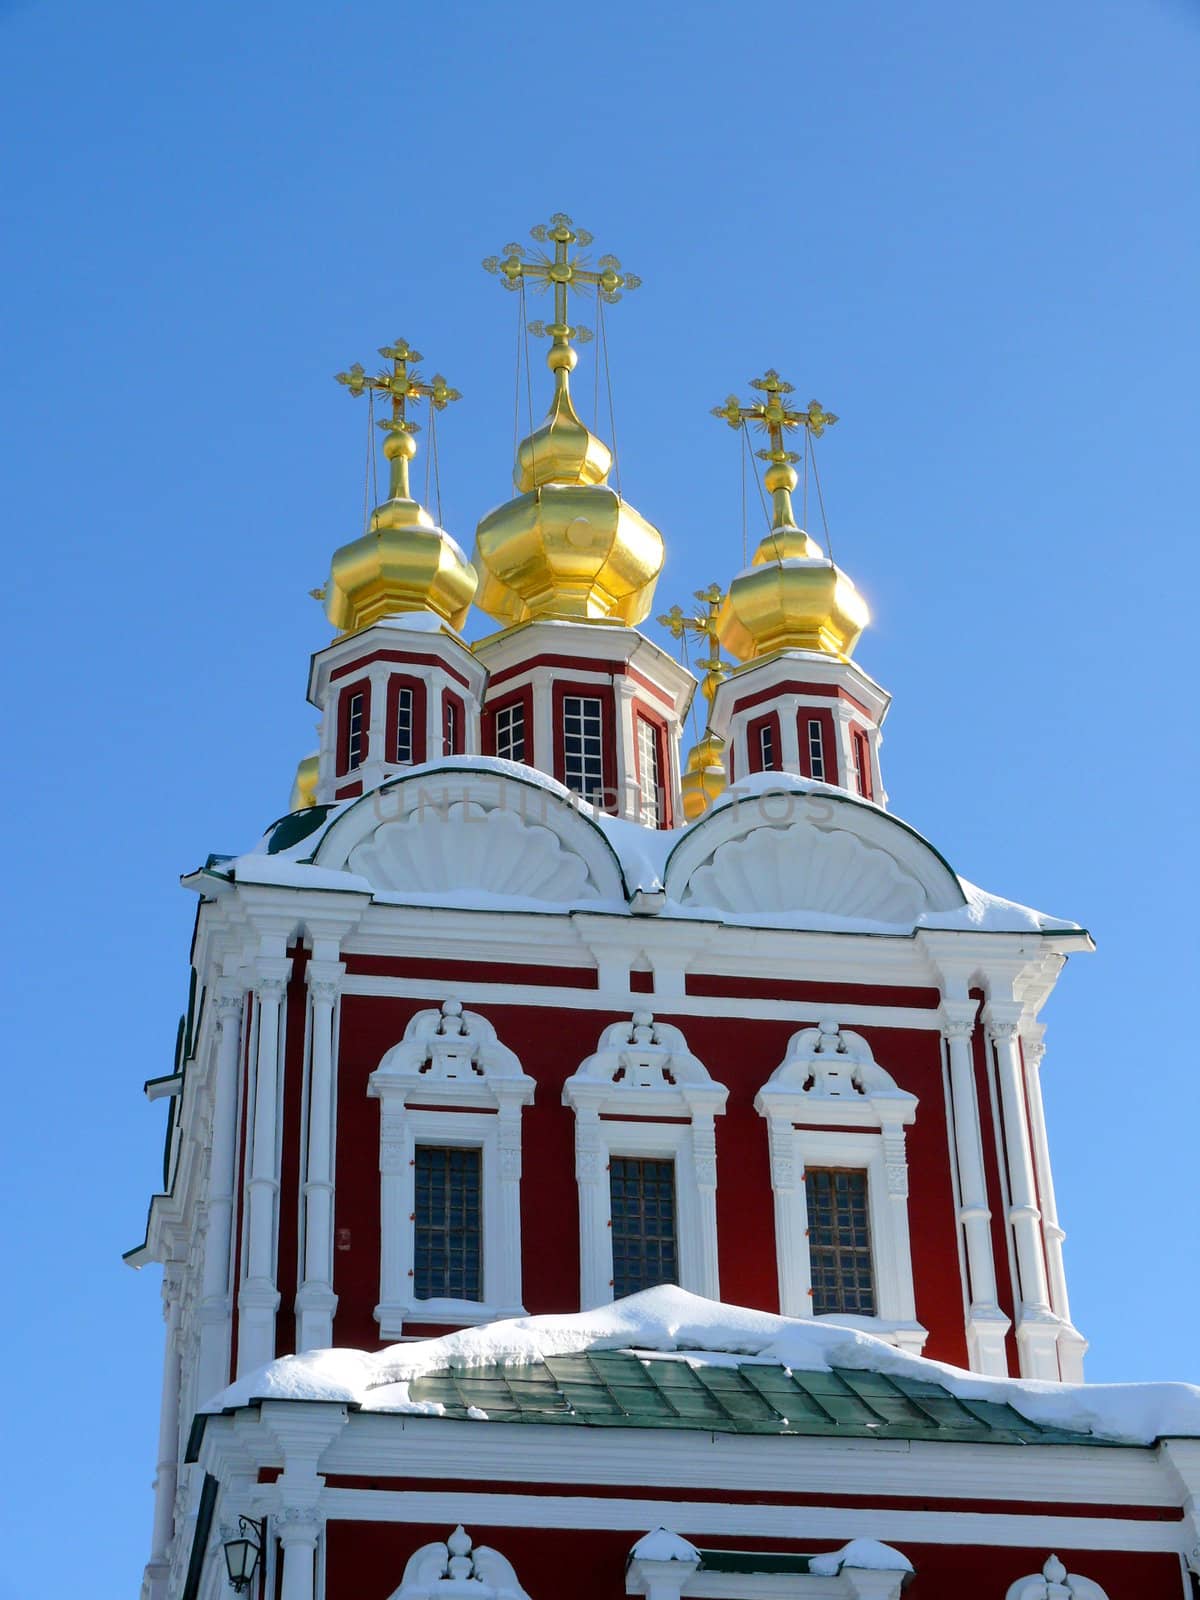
514 711
626 1079
356 735
766 747
816 749
853 1116
595 795
449 1059
649 776
405 696
685 1579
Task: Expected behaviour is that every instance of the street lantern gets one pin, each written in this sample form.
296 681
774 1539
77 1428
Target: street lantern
242 1553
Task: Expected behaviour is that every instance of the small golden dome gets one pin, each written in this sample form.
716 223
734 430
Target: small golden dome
792 596
568 546
706 777
304 790
404 561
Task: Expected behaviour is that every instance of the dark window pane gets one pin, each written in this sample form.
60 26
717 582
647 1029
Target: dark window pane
839 1241
448 1229
644 1244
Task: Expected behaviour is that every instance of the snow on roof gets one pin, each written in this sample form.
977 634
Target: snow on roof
860 1555
672 1321
641 851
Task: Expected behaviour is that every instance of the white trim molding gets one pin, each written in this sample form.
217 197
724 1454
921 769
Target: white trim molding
829 1077
458 1570
1054 1582
643 1093
450 1081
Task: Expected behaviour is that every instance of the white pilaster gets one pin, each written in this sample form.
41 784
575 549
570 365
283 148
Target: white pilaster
298 1531
1072 1346
258 1300
316 1301
1037 1326
591 1175
987 1325
625 778
212 1372
166 1472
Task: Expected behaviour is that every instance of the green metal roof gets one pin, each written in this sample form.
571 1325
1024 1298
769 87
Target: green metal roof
618 1389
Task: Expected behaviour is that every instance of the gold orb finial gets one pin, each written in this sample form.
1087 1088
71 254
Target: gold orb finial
792 596
404 561
568 546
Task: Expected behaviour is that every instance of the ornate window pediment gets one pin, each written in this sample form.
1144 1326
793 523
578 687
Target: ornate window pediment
644 1068
829 1074
458 1570
451 1054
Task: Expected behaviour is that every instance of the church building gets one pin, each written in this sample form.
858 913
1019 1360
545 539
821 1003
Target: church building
605 1148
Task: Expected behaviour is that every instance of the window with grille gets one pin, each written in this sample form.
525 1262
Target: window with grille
583 746
766 747
816 750
510 732
645 1247
649 776
448 1224
839 1241
403 727
355 731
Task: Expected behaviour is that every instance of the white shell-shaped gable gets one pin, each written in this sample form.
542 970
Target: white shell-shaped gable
459 835
782 854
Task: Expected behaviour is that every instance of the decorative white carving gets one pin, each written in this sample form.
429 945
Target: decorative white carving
830 1074
445 1051
458 1570
641 1065
780 869
1054 1582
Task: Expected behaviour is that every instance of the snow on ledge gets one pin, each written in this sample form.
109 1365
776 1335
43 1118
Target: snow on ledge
671 1321
865 1555
663 1545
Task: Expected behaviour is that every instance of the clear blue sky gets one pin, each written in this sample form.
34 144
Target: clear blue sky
970 230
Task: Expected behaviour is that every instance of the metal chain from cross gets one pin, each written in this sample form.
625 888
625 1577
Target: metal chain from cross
678 624
562 271
402 384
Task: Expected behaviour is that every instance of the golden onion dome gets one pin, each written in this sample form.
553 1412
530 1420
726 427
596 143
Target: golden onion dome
404 561
304 789
568 546
706 777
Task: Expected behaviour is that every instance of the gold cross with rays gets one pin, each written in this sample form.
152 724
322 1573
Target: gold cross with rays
774 417
562 271
403 383
678 623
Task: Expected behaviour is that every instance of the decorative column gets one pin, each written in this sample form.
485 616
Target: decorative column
704 1165
1072 1346
987 1325
508 1140
166 1471
1037 1326
628 796
591 1176
215 1304
298 1531
791 1236
259 1298
316 1301
789 735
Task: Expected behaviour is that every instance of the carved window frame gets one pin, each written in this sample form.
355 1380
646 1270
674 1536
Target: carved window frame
670 1122
833 1125
480 1108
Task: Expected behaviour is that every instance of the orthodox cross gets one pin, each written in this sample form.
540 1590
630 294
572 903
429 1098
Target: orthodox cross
679 624
774 417
403 383
562 271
